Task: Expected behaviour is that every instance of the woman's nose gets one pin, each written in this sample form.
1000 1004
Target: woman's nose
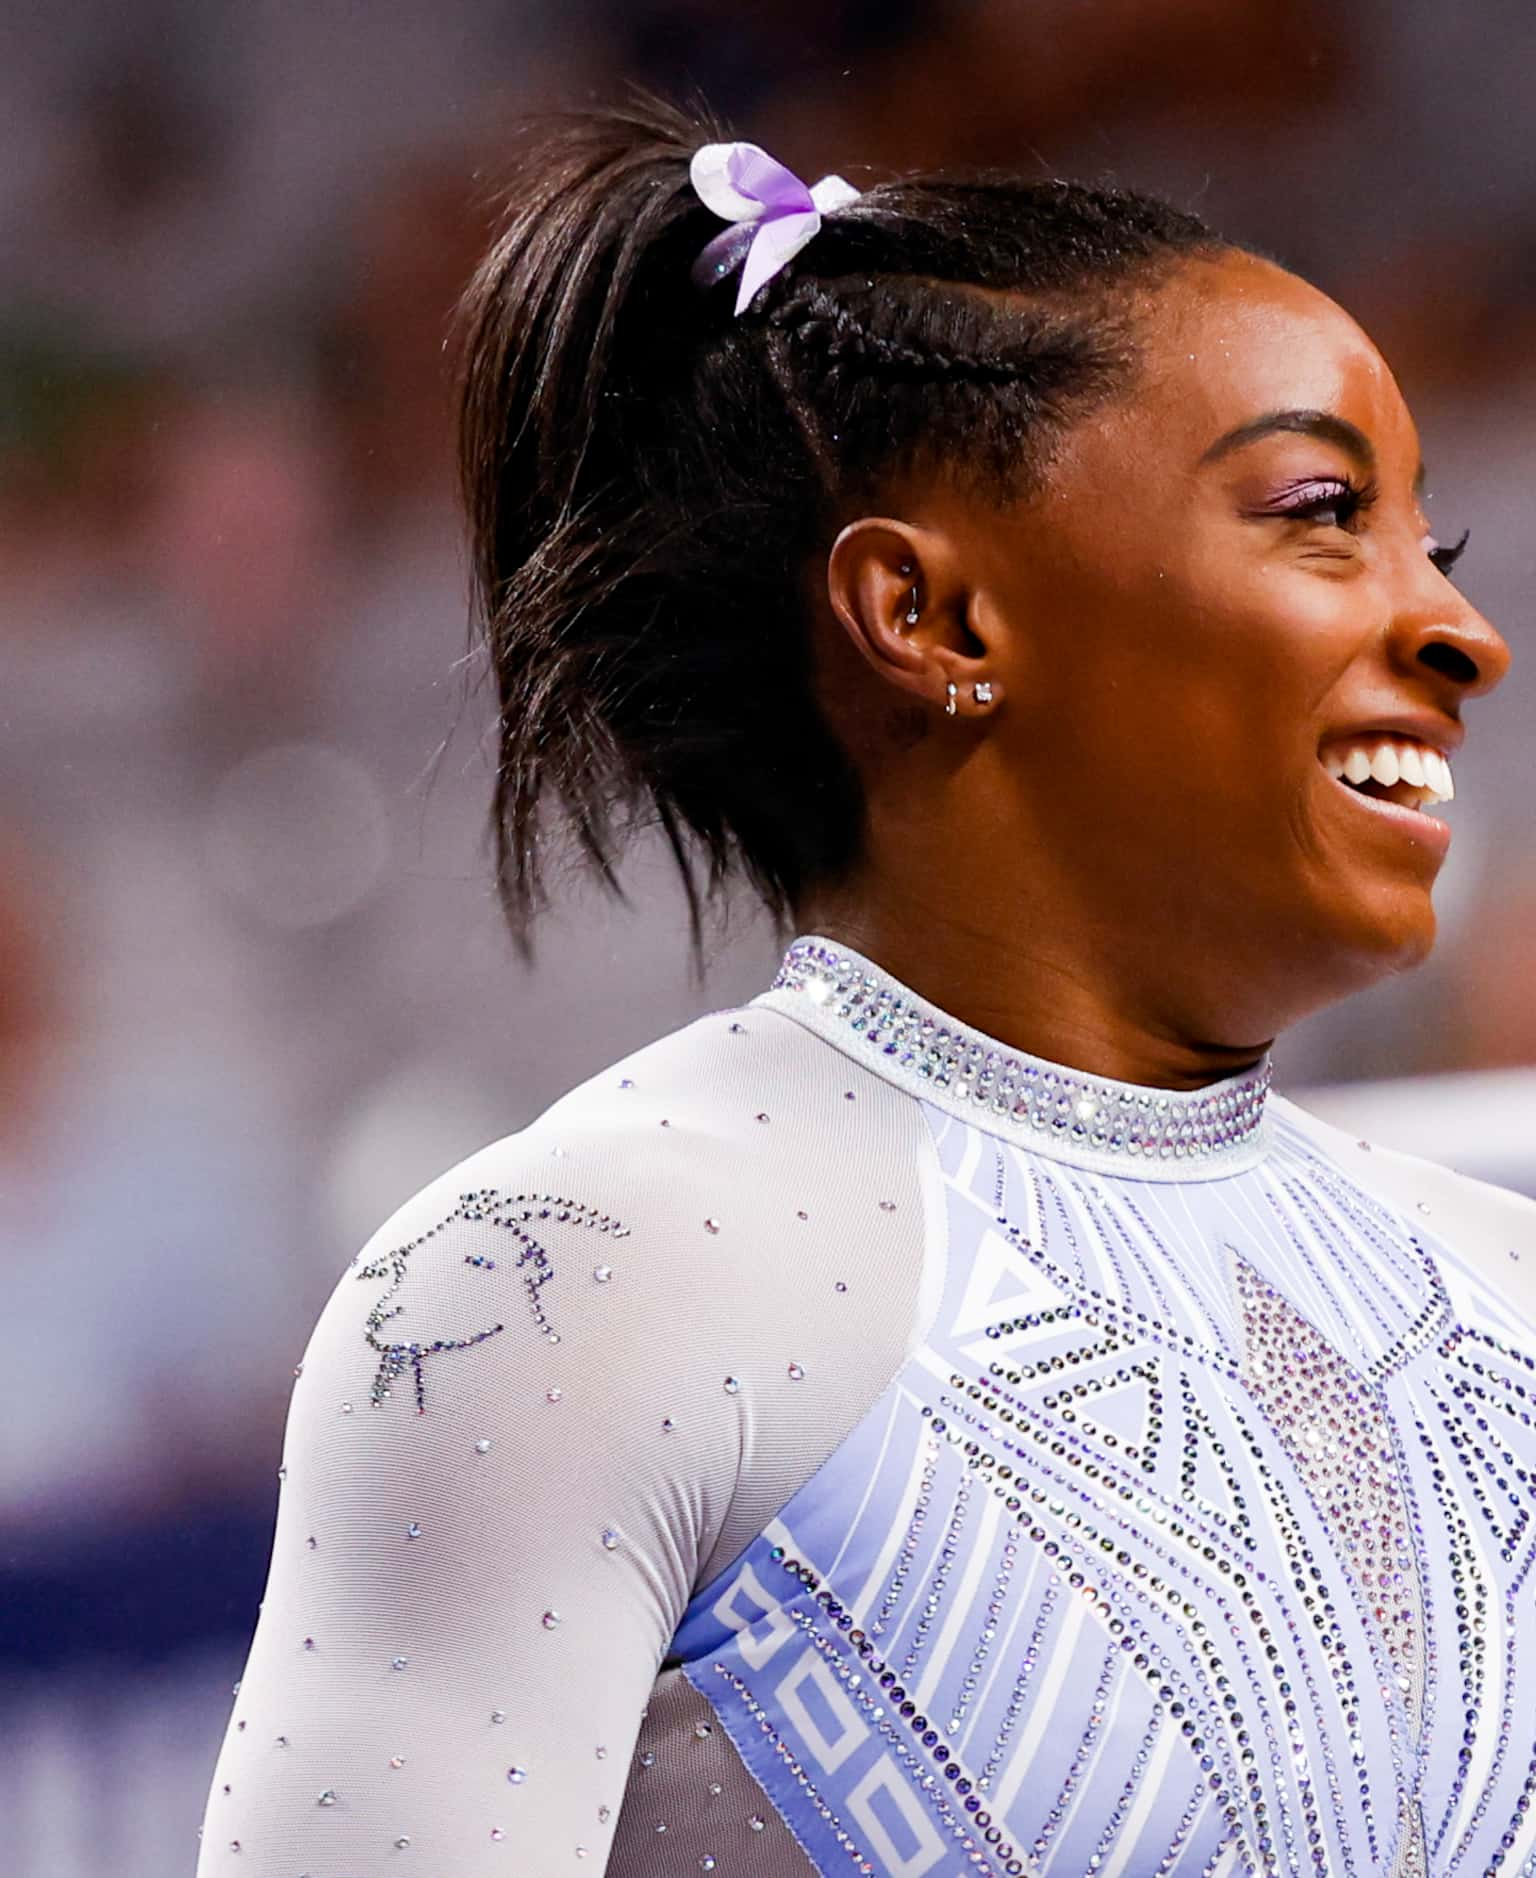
1448 636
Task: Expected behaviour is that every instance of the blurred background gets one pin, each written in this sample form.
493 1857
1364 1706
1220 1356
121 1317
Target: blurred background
253 985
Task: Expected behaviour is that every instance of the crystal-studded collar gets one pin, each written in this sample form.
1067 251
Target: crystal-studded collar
1091 1121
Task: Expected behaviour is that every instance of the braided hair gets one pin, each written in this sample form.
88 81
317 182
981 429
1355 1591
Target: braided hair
646 478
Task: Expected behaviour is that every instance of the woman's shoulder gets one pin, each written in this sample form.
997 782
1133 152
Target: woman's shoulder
1490 1228
1419 1178
727 1128
728 1230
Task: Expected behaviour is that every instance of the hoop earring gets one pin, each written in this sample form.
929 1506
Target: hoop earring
949 707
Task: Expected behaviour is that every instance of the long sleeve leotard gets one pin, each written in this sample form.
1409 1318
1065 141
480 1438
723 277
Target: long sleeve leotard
831 1441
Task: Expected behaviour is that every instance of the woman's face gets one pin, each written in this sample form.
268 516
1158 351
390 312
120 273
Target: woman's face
1199 622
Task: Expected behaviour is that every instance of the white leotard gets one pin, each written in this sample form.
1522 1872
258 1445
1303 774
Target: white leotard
830 1441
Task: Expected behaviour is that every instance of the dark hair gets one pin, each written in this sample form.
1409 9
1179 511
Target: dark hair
645 477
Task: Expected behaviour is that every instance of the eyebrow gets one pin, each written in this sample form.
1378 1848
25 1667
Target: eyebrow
1324 424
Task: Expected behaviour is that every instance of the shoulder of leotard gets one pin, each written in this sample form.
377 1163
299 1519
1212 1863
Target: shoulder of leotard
673 1119
1409 1180
695 1068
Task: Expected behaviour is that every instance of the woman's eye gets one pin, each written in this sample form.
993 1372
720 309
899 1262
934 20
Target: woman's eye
1338 503
1446 558
1335 503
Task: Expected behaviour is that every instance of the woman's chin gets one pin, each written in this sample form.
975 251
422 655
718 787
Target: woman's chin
1391 931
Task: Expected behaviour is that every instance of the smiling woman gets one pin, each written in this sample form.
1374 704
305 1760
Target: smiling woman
949 1413
1195 616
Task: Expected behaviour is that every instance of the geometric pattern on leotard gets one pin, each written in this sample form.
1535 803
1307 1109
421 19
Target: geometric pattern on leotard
1077 1595
1335 1427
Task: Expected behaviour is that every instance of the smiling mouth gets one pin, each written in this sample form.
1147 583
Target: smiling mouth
1395 771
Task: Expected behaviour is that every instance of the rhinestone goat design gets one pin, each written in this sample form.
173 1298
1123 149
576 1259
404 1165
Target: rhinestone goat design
533 1261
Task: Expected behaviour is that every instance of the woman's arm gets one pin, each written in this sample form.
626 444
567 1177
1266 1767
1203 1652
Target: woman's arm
486 1536
640 1325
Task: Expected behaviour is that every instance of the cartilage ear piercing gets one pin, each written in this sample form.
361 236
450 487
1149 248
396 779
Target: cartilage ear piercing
905 568
949 707
982 692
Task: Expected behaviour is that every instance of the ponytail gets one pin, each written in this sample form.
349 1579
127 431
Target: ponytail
645 477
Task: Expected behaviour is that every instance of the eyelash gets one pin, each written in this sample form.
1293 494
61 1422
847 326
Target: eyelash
1353 499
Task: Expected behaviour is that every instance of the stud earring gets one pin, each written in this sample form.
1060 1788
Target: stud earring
949 707
982 692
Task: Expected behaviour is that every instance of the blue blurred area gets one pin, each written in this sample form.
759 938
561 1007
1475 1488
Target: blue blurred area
253 987
141 1595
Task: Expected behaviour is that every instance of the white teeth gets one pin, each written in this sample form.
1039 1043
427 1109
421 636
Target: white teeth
1414 765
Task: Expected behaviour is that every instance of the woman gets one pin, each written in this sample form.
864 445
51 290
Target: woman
945 1415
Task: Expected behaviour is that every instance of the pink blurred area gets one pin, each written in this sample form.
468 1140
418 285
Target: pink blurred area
253 986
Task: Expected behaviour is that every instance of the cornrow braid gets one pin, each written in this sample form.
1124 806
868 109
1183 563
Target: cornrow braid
894 375
646 478
823 325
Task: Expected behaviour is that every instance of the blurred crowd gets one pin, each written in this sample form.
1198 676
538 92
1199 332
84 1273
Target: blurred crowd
253 985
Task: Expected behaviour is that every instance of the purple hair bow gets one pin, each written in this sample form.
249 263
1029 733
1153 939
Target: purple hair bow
772 213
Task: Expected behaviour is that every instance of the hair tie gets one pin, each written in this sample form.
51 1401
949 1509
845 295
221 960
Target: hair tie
772 213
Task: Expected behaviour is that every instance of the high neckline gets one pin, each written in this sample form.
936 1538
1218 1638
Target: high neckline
1067 1114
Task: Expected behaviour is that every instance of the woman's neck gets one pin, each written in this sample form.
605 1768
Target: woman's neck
1028 996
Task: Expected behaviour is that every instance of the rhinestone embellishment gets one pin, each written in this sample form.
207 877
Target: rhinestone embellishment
513 1214
1051 1102
1336 1429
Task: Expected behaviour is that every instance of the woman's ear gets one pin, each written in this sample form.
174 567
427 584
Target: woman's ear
899 592
880 589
